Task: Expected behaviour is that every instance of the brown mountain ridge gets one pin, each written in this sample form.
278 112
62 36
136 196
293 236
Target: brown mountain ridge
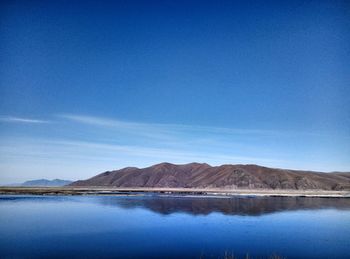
201 175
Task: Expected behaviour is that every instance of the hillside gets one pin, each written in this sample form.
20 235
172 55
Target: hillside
197 175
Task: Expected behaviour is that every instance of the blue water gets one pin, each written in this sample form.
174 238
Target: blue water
173 227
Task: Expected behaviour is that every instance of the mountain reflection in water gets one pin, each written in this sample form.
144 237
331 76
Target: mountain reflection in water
250 206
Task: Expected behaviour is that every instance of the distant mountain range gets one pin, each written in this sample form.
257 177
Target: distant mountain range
46 183
197 175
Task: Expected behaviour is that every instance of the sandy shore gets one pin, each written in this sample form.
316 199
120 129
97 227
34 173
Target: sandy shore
176 191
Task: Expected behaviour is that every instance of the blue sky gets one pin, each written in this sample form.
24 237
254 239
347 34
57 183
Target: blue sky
91 86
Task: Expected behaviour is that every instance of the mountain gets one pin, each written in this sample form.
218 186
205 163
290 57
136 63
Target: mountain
46 183
197 175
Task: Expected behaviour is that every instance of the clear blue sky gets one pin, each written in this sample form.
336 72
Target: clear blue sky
91 86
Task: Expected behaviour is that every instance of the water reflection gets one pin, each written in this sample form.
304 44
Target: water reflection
252 206
122 227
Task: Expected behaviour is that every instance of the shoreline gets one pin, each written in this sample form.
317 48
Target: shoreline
169 191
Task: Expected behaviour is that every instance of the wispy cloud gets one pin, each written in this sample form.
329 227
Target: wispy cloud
21 120
158 152
159 127
71 150
176 133
98 121
150 130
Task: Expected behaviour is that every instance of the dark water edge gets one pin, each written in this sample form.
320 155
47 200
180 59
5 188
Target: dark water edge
160 226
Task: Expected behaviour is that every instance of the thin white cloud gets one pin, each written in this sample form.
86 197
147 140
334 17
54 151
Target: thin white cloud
154 131
176 133
159 127
13 119
98 121
70 150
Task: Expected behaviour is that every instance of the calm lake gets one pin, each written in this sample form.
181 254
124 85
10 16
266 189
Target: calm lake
173 227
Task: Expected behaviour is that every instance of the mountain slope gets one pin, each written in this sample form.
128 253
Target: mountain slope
196 175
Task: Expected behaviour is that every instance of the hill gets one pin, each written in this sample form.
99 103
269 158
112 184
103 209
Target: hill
197 175
46 183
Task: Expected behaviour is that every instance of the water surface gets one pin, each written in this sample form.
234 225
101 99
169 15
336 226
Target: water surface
173 227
